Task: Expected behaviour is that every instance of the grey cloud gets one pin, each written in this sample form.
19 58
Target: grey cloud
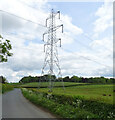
29 64
10 22
106 72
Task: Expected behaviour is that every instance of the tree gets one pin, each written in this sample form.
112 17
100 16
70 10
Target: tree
5 47
66 79
3 80
75 79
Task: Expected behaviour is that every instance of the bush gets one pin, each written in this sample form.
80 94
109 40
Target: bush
103 110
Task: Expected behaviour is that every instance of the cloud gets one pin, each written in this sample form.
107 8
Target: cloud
107 72
103 40
104 43
25 57
68 26
28 56
25 37
9 22
70 30
105 18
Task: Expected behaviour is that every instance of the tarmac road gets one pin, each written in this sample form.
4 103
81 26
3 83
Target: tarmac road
14 105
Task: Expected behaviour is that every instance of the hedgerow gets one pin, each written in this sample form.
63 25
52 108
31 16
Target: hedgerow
6 87
64 109
102 110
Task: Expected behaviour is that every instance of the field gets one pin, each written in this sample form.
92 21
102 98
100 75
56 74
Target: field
101 93
46 84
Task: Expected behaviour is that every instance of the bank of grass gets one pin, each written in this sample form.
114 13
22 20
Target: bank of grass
6 87
46 84
63 110
100 93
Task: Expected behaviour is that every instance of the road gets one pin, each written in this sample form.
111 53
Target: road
14 105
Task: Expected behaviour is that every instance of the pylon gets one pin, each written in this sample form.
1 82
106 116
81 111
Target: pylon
51 65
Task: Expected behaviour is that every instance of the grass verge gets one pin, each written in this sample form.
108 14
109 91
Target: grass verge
65 110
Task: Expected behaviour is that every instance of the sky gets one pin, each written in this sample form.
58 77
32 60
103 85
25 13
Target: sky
87 41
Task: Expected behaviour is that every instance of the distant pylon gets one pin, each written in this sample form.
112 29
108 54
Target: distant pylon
51 63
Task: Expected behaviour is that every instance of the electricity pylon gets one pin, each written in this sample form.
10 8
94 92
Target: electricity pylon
51 65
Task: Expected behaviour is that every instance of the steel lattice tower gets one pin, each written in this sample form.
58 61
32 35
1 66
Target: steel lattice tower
51 63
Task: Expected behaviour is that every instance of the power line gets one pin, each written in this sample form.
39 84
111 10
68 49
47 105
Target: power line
8 33
68 51
86 58
85 35
23 18
21 38
74 54
83 44
88 37
45 27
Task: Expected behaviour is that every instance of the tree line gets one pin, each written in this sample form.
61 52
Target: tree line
46 78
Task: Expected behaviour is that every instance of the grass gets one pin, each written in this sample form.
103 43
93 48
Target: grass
6 87
101 93
46 84
62 110
15 85
0 88
70 106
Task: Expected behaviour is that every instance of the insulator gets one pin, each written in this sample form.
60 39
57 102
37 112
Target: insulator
62 28
44 48
43 37
46 22
52 10
60 41
59 14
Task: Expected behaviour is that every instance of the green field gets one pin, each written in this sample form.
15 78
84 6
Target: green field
101 93
79 102
46 84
